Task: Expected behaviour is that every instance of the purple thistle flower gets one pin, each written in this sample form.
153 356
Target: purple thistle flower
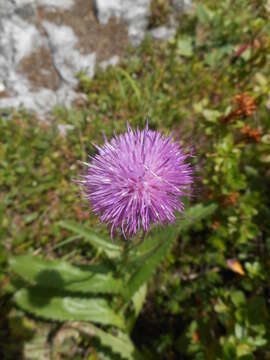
136 179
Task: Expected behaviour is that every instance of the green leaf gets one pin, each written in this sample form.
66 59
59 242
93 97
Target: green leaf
152 260
184 47
192 215
149 254
112 250
49 305
238 298
211 115
63 276
246 55
30 217
204 14
120 344
139 299
195 214
216 56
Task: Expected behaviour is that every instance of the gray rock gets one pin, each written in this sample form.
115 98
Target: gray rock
17 83
182 5
59 36
24 37
64 128
62 4
43 100
107 9
19 3
134 12
18 39
2 87
7 8
67 59
38 101
66 95
114 60
163 33
9 103
26 12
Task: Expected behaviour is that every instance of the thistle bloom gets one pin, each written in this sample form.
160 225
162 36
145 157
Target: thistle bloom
137 179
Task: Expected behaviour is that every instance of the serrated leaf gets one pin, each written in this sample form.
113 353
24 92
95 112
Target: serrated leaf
120 344
152 260
56 307
192 215
63 276
112 250
145 260
139 299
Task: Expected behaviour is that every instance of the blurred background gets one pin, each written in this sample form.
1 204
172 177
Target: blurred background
74 70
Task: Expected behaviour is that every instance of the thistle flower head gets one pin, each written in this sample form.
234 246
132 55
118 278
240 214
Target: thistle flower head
137 179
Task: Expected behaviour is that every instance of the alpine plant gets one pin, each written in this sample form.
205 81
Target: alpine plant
137 179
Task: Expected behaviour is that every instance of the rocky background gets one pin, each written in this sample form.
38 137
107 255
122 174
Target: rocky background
44 44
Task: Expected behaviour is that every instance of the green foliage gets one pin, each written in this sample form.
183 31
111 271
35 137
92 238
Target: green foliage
184 47
160 12
45 303
111 250
62 276
120 344
59 291
138 299
151 261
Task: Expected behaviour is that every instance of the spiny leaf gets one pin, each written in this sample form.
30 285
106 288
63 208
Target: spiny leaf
192 215
63 276
50 306
144 264
139 299
112 250
154 258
